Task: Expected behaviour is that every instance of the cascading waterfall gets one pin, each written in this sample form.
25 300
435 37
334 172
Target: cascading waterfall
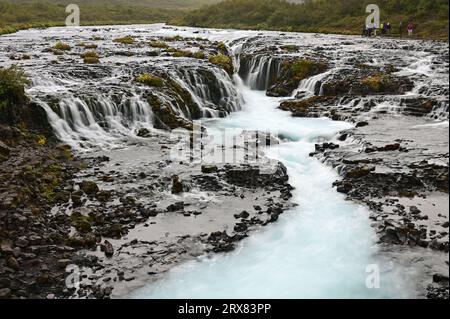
259 72
97 121
212 90
88 121
313 85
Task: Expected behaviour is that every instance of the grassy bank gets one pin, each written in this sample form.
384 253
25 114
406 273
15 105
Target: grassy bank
324 16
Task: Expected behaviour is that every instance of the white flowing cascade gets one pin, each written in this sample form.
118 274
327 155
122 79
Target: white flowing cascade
102 121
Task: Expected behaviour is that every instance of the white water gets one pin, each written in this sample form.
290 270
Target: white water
320 249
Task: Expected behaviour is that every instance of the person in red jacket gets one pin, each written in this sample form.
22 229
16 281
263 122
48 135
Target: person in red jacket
410 29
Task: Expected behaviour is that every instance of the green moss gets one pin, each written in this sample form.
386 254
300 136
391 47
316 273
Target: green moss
124 40
223 61
61 46
150 80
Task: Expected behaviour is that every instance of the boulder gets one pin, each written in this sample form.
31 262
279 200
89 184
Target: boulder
107 248
89 187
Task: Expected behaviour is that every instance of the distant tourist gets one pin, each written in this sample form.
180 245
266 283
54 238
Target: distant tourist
410 29
388 27
367 31
400 29
375 27
383 27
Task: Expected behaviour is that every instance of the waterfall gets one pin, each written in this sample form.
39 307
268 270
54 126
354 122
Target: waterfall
312 85
259 72
211 89
97 121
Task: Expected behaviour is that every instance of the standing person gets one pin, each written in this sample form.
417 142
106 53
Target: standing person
400 29
383 27
375 27
388 27
410 29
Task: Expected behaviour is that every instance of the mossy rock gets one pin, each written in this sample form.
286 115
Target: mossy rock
290 48
158 44
199 55
90 57
379 84
173 39
124 40
88 45
150 80
61 46
359 172
12 91
89 187
300 108
223 61
292 72
222 48
83 224
166 118
182 54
